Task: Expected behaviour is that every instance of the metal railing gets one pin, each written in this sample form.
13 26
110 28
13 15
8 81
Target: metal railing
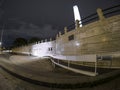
114 10
111 11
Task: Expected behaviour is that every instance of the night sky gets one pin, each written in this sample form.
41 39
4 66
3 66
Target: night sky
43 18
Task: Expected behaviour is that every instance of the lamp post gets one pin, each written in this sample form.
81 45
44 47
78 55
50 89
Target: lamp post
77 15
1 37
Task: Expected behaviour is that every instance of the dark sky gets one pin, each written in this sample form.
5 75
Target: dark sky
43 18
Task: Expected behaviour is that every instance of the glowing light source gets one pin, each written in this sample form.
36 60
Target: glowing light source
77 14
0 43
41 49
77 43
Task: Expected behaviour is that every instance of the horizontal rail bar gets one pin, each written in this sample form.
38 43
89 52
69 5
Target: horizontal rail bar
76 70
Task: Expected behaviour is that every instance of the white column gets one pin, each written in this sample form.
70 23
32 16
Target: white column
77 14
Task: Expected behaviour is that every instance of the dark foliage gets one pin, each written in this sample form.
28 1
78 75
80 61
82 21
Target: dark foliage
34 39
20 42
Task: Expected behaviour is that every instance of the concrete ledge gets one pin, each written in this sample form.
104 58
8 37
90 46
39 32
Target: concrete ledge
92 83
64 83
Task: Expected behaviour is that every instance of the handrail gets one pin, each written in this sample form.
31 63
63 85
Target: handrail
89 73
108 13
111 7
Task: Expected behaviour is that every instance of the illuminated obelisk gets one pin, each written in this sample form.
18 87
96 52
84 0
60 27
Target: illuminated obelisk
77 14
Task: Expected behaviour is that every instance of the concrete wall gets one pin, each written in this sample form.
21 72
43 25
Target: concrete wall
95 38
101 37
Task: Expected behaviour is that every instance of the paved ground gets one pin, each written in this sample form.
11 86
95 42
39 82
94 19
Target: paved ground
42 69
39 69
4 84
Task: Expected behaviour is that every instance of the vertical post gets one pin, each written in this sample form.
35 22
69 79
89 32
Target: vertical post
111 61
77 15
53 62
58 61
50 39
77 25
45 40
100 14
68 63
53 65
41 41
96 67
59 34
38 42
65 30
1 37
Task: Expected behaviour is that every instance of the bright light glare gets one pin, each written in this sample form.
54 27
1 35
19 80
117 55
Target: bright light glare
0 43
41 49
77 14
77 44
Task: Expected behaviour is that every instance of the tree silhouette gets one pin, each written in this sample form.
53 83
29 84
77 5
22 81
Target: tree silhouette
34 39
20 42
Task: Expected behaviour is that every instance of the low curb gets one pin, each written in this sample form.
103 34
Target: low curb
92 83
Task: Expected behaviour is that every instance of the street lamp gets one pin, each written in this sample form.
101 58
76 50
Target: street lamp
77 14
1 37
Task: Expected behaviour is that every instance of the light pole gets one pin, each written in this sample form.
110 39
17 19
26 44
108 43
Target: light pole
1 37
77 14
